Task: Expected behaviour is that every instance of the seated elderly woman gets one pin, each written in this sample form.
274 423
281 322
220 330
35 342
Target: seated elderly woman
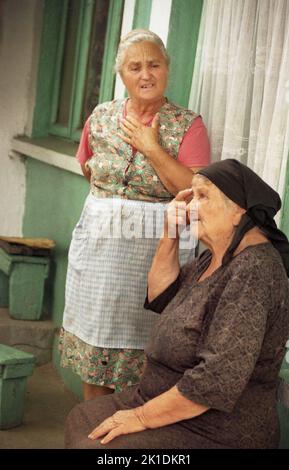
213 359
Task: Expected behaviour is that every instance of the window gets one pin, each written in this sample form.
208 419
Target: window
79 43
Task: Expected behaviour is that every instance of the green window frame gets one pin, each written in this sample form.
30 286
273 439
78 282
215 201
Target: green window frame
142 11
50 65
182 46
184 23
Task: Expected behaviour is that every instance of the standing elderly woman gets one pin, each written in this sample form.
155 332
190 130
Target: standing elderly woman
135 152
213 359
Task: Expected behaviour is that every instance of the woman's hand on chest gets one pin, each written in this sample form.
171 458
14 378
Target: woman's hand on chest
145 139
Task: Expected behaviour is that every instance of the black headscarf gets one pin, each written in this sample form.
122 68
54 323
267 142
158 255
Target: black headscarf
240 184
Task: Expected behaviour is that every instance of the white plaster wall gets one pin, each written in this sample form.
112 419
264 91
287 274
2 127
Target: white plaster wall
160 18
19 44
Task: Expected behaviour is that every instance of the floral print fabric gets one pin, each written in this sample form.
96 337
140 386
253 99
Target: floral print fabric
114 368
109 177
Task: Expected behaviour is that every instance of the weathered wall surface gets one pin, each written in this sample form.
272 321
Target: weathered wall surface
20 24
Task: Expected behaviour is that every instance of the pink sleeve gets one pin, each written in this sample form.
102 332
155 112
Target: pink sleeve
84 151
194 150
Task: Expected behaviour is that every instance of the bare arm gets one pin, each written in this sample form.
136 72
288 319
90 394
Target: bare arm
167 408
165 266
174 176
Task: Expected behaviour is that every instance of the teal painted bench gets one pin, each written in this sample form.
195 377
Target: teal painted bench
22 278
15 367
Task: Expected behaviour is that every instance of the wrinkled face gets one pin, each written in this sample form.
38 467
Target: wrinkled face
144 71
214 218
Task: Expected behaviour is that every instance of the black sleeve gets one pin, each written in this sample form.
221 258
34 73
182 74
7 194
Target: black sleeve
161 301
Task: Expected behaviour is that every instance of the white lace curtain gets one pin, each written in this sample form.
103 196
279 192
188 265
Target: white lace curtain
241 83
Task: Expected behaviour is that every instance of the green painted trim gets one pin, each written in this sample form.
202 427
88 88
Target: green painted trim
79 68
47 61
78 52
49 70
182 45
79 71
142 14
59 130
59 57
111 45
76 135
81 65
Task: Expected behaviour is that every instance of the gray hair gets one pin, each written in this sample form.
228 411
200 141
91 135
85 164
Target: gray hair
133 37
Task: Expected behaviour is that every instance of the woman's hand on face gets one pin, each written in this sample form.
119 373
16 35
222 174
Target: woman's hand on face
143 138
121 422
176 213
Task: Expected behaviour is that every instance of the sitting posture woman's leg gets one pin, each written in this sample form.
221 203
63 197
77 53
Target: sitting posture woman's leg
86 416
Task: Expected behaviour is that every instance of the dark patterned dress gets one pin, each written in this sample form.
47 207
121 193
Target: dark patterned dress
221 341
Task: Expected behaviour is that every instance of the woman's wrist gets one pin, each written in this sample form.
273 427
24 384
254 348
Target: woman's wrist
153 151
140 415
151 415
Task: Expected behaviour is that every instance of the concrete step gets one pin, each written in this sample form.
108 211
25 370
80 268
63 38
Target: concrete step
35 337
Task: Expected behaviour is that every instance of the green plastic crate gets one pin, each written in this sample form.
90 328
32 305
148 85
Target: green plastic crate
26 278
15 367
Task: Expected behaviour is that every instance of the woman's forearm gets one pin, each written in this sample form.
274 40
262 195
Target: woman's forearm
168 408
174 176
165 266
